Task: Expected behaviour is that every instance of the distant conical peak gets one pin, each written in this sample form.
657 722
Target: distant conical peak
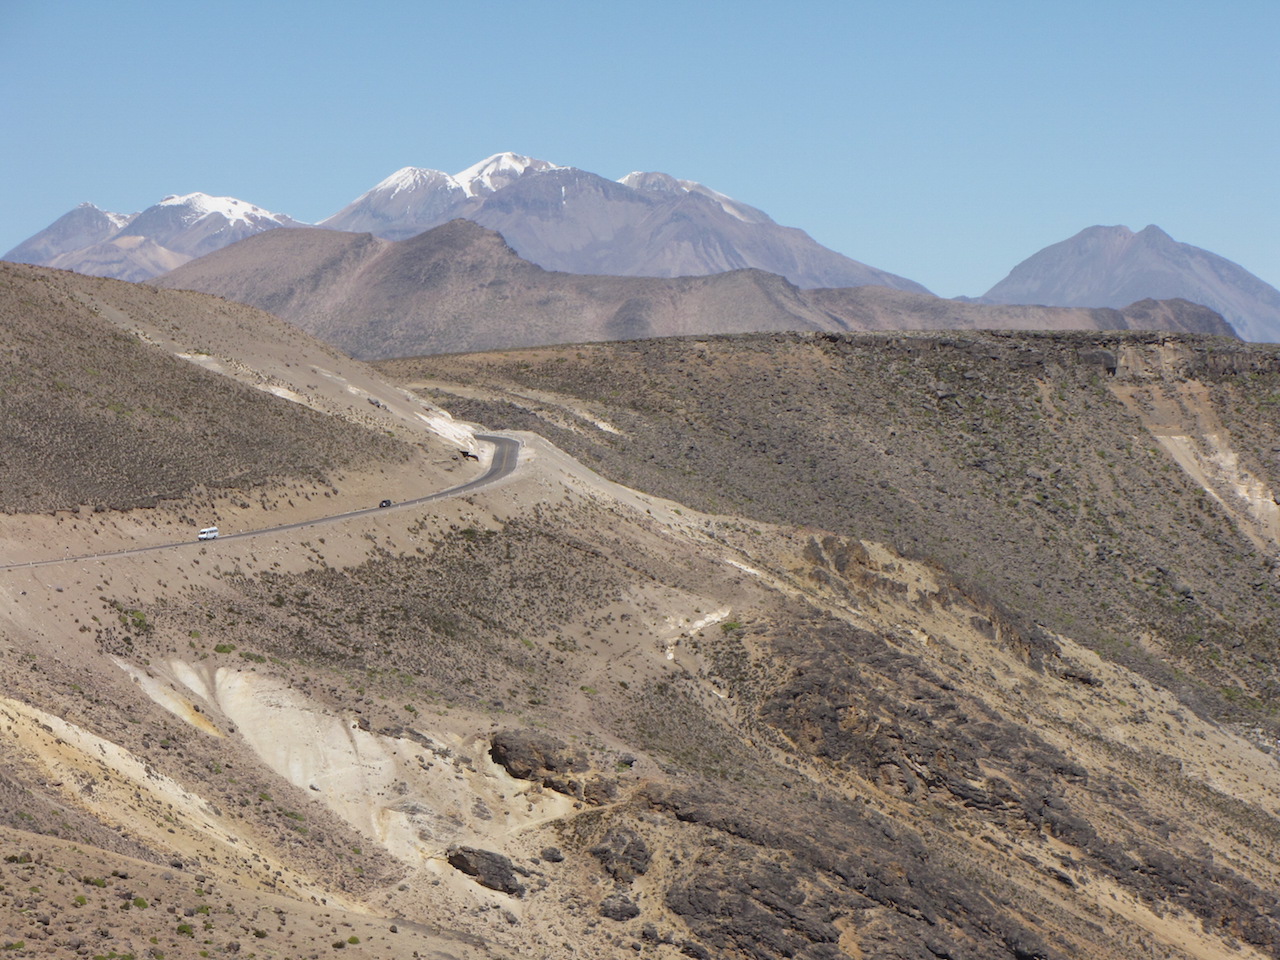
1111 266
407 178
203 205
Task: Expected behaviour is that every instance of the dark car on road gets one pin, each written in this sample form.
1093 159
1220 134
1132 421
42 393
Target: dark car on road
385 503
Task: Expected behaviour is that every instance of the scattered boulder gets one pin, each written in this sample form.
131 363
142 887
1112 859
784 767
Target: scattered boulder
1100 358
619 907
533 756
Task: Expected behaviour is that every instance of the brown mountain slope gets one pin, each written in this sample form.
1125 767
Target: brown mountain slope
459 287
587 722
94 415
1031 466
556 716
125 408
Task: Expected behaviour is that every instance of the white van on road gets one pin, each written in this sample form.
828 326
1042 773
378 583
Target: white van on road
208 533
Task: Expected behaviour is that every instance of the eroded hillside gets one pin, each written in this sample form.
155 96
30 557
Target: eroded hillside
1118 488
555 716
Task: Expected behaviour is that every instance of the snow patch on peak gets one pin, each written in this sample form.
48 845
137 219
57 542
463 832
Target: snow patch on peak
201 205
118 220
654 182
735 209
493 173
410 178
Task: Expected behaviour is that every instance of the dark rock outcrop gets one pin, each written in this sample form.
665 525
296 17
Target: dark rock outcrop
489 869
534 756
619 907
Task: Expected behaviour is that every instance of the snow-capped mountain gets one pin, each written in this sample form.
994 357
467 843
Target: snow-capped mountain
398 207
143 245
195 224
560 218
501 170
414 199
1113 266
665 183
563 218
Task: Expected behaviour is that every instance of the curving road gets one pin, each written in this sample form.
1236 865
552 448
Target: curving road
506 453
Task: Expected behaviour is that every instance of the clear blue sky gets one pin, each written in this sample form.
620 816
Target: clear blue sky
941 140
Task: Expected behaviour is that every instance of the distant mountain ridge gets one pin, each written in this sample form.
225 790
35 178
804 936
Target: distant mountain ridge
1112 266
644 225
561 218
647 224
143 245
461 288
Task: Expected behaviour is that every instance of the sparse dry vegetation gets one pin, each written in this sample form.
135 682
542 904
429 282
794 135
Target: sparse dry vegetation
1003 458
93 417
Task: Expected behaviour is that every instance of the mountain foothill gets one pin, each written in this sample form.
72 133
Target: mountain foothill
460 287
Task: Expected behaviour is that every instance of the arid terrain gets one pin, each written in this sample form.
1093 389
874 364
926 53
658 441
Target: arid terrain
816 646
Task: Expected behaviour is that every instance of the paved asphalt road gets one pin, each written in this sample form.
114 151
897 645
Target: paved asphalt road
506 452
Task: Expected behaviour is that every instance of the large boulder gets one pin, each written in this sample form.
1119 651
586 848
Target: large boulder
489 869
